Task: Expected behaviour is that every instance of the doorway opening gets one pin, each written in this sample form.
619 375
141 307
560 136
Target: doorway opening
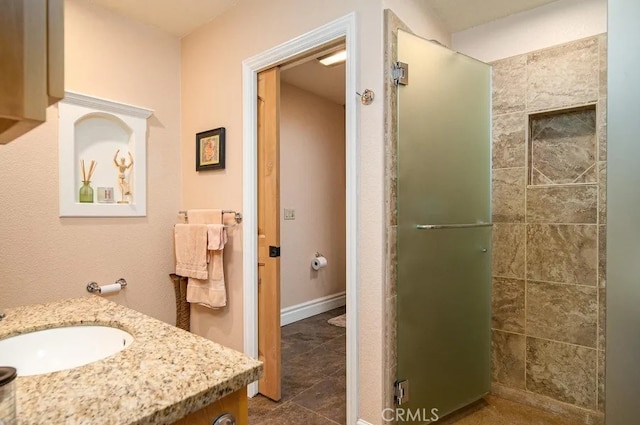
296 52
301 213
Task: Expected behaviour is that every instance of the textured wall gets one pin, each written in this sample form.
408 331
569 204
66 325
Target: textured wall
549 177
559 22
44 257
418 16
312 181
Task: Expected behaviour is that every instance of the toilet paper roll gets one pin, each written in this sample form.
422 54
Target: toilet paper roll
107 289
318 263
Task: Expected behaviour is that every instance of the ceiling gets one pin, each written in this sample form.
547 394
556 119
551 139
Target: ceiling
180 17
177 17
458 15
325 81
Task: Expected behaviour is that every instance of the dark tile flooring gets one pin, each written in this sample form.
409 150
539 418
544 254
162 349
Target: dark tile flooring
314 383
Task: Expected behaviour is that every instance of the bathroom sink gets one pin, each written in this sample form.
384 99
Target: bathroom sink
56 349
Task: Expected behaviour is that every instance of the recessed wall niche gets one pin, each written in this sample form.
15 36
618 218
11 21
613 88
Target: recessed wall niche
562 147
106 132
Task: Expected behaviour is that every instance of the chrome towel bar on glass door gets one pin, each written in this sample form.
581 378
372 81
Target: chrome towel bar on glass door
451 226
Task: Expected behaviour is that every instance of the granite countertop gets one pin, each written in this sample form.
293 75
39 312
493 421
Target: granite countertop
165 374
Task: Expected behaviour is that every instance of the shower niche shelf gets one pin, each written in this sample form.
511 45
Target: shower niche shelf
563 147
95 129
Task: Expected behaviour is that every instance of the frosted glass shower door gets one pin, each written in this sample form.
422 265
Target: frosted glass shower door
444 230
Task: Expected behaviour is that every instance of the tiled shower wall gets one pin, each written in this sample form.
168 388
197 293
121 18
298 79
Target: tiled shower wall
549 210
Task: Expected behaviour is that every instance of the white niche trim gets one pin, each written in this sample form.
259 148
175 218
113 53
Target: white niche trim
91 128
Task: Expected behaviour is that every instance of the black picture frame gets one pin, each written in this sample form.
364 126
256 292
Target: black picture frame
210 149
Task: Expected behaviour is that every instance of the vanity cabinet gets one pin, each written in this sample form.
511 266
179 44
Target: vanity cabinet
235 403
163 374
32 63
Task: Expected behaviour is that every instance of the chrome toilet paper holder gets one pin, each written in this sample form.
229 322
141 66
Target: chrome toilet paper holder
94 287
319 255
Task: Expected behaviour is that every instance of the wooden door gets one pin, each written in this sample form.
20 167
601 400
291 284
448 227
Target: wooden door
269 231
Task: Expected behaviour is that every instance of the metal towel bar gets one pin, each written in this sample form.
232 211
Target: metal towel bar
451 226
236 215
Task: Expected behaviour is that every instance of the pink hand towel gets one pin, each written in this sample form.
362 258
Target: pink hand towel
216 236
191 250
210 292
204 216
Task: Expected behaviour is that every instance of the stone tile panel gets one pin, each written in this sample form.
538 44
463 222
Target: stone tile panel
509 141
602 317
507 304
602 192
562 312
601 380
563 76
602 56
562 253
508 358
602 129
602 255
509 85
562 371
508 200
508 250
562 204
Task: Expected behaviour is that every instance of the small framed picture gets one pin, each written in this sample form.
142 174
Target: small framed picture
210 150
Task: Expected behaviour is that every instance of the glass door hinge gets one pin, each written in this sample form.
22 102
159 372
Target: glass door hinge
401 392
400 73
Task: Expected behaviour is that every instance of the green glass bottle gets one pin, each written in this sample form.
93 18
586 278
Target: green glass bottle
86 192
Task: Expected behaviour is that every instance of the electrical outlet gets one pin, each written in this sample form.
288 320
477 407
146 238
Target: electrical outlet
289 214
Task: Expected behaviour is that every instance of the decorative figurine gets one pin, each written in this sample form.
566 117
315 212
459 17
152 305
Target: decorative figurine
125 189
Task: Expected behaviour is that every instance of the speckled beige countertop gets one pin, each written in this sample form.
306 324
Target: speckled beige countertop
165 374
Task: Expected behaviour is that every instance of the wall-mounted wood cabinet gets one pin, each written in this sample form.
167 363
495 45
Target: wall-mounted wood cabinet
31 63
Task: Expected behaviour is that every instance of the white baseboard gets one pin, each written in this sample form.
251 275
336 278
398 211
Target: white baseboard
301 311
252 389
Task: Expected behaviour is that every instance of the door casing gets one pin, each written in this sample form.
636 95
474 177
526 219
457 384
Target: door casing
344 27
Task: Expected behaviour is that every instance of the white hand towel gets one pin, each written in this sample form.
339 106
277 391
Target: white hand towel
191 250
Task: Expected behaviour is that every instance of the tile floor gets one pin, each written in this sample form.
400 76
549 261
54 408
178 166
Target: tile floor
314 385
498 411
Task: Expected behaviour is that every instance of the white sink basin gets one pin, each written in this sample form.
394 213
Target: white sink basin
65 348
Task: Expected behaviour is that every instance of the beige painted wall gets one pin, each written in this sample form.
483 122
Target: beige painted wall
417 15
212 97
44 257
312 182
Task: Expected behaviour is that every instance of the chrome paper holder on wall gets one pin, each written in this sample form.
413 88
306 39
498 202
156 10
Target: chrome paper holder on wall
93 287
